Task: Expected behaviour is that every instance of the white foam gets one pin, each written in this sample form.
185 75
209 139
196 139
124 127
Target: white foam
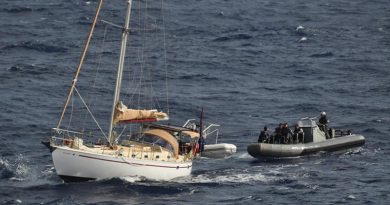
243 155
227 178
48 171
18 168
4 163
132 179
303 39
22 170
299 28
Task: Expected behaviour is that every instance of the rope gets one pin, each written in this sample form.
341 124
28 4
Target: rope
140 90
165 56
120 134
74 81
86 106
71 113
142 55
99 60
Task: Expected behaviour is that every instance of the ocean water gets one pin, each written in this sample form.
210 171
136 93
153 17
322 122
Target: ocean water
247 63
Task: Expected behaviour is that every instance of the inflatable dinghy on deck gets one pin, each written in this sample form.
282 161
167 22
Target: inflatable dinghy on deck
219 150
211 133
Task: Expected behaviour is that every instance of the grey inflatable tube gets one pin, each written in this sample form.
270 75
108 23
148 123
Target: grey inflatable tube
260 150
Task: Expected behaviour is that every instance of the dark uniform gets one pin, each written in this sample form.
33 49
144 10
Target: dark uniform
323 120
323 124
278 133
286 133
298 134
264 136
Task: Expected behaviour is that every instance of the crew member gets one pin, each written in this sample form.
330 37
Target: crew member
298 133
264 135
323 124
278 133
286 133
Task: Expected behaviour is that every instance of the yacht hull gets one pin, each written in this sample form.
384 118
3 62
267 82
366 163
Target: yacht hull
75 165
261 150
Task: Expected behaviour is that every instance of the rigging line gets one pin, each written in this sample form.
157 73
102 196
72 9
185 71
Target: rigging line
99 61
142 63
155 98
151 88
154 103
132 74
131 83
120 134
130 133
71 113
94 119
74 81
111 24
165 56
140 58
140 87
144 57
139 53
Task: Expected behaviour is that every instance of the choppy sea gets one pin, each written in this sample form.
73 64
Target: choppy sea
247 63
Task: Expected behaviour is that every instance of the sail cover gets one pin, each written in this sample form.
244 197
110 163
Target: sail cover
123 114
165 136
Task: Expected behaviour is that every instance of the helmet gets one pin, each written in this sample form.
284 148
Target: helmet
323 113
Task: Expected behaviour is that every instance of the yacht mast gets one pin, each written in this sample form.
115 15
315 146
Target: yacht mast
120 71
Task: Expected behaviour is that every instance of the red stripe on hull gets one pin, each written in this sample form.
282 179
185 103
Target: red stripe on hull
134 163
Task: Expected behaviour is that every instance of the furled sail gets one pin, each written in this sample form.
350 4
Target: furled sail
123 114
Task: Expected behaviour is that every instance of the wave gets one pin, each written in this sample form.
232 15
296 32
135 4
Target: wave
372 131
198 76
23 9
18 9
233 37
16 171
28 69
224 177
38 46
5 170
322 55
